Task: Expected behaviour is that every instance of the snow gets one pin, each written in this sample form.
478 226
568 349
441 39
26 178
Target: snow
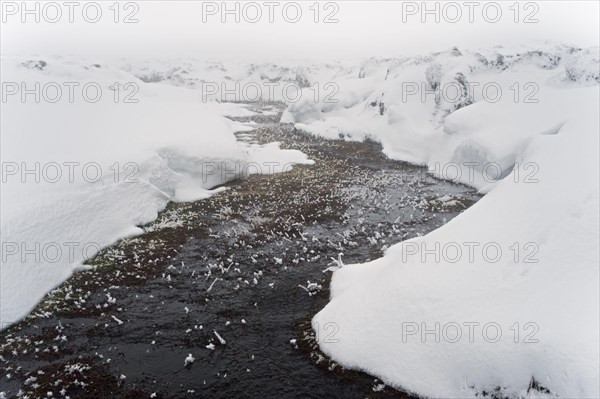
535 156
397 317
104 168
235 81
403 102
189 360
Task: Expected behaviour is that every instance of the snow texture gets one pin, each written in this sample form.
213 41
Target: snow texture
398 317
102 169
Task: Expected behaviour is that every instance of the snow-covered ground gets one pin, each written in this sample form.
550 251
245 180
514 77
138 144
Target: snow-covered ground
97 154
238 81
505 296
403 103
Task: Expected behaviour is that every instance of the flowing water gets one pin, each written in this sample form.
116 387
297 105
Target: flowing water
249 264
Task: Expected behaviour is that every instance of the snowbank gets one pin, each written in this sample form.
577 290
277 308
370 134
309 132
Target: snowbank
505 297
237 81
405 103
81 170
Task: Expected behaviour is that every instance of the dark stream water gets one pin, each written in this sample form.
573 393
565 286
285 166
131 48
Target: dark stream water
232 264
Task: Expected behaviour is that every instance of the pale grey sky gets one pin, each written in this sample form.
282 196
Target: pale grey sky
364 28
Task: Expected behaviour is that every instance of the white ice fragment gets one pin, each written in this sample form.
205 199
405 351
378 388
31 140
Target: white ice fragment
211 286
189 360
221 340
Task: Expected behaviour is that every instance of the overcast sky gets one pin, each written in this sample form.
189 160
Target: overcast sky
363 28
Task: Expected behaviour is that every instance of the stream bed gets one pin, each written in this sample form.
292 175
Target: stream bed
215 298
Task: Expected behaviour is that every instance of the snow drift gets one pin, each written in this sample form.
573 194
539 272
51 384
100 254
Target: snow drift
91 153
237 81
504 299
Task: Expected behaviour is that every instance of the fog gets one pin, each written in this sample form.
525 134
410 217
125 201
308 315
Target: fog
278 30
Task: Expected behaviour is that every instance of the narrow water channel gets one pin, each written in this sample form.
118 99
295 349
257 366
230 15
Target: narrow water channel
232 280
